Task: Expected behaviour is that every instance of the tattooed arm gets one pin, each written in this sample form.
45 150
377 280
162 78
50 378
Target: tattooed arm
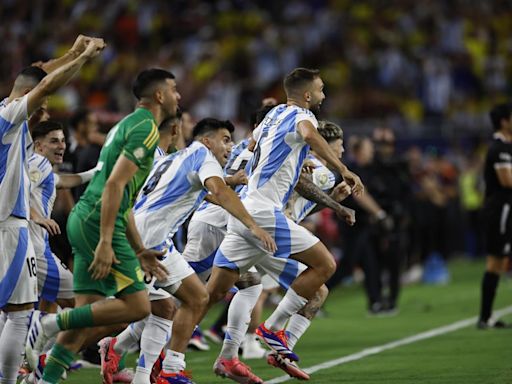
307 189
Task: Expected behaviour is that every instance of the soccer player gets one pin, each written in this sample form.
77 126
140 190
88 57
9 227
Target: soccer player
107 248
18 285
54 280
498 202
283 142
174 189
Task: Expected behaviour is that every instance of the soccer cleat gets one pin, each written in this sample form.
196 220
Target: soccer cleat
123 376
235 370
498 324
182 377
157 367
214 335
109 359
277 341
197 341
36 339
252 349
290 367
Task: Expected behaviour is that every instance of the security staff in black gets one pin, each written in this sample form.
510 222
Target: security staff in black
497 210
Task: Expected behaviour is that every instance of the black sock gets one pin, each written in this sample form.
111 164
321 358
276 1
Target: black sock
489 285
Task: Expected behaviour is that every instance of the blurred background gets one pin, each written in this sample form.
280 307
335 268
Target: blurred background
411 84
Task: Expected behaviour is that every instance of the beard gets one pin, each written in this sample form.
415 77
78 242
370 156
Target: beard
315 109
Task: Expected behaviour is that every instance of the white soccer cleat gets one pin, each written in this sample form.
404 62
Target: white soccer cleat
36 338
252 348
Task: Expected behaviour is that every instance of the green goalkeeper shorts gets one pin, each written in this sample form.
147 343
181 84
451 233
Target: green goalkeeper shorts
83 230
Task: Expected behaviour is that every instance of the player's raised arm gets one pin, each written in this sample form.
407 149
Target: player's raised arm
56 79
78 47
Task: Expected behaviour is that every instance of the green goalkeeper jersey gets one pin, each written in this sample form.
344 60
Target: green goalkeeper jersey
135 137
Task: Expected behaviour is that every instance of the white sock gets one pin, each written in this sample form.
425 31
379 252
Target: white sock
290 304
12 345
239 317
154 337
296 327
174 362
50 324
3 319
130 336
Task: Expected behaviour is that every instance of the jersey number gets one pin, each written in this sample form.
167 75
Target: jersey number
31 265
257 151
155 178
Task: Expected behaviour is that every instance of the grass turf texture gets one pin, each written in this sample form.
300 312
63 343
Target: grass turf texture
464 356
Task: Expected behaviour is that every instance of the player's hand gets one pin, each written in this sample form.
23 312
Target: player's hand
308 166
49 224
104 257
149 263
347 214
94 47
341 192
80 44
265 238
239 178
354 181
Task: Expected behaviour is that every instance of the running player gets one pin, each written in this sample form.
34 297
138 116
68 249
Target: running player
18 285
283 142
498 203
107 248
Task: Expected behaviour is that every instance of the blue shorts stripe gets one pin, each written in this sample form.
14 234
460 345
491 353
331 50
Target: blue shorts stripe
222 262
9 281
203 265
52 282
284 246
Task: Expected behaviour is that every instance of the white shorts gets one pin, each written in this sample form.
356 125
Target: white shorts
54 279
18 267
178 270
203 240
241 250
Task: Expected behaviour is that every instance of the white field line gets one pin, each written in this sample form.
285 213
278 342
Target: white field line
394 344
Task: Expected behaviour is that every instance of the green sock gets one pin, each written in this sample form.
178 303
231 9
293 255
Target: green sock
122 362
76 318
58 361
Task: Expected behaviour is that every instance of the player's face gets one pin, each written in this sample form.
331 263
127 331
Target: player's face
316 93
52 146
170 97
220 144
337 147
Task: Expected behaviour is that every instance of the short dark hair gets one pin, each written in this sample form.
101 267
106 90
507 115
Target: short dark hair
499 112
166 123
79 116
35 73
258 116
297 79
330 131
209 125
148 78
45 127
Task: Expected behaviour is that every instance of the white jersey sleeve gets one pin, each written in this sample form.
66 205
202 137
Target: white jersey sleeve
15 149
210 168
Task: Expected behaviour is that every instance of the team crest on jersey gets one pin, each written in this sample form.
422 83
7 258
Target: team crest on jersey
35 176
139 153
322 179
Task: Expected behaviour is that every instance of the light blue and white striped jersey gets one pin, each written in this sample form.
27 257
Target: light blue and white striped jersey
42 198
159 152
278 157
214 214
173 190
323 178
15 149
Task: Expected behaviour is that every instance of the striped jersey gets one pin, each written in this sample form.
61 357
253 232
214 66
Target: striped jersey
214 214
323 178
15 149
159 152
42 197
173 190
278 157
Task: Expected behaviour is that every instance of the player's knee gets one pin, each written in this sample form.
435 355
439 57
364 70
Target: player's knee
165 309
328 268
140 311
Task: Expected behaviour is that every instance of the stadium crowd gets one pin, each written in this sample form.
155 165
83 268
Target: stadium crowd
404 74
